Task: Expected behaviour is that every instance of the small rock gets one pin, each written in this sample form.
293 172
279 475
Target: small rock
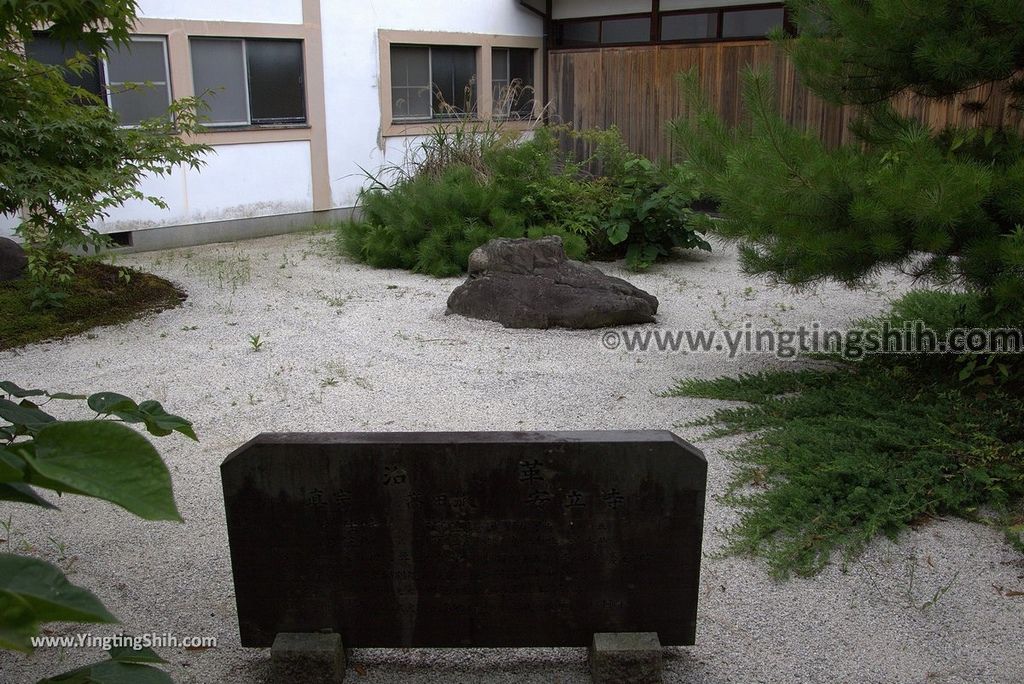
13 261
523 283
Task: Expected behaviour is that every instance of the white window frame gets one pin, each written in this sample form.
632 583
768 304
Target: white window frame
109 85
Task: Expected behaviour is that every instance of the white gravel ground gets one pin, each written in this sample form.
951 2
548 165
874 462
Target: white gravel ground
938 606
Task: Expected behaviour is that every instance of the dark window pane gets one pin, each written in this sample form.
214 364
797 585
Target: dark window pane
753 23
499 64
410 66
218 71
137 62
137 80
636 30
501 96
277 91
48 50
577 33
410 82
454 80
134 102
513 82
410 103
689 26
520 70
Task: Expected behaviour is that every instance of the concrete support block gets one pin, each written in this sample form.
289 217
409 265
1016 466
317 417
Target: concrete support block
308 658
625 658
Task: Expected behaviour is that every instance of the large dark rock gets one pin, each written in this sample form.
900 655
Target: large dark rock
526 283
13 261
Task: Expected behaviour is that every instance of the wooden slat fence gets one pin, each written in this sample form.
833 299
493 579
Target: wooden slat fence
635 89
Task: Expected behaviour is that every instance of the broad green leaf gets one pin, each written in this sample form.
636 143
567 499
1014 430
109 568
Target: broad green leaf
107 461
29 416
112 672
154 428
18 623
644 209
24 452
15 391
48 592
12 468
125 654
111 402
20 492
129 415
618 233
161 423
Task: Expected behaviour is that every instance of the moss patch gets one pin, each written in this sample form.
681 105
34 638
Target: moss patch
96 297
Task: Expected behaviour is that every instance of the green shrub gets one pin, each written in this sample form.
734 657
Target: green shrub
942 311
649 215
546 189
427 225
839 456
575 245
465 188
945 311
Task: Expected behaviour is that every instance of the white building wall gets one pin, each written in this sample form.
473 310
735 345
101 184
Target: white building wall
238 181
669 5
351 69
7 224
260 11
571 9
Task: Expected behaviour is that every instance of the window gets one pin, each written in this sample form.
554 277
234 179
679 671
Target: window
132 79
432 82
249 81
429 77
137 83
577 33
702 26
410 83
47 50
751 22
512 82
714 23
611 31
623 31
